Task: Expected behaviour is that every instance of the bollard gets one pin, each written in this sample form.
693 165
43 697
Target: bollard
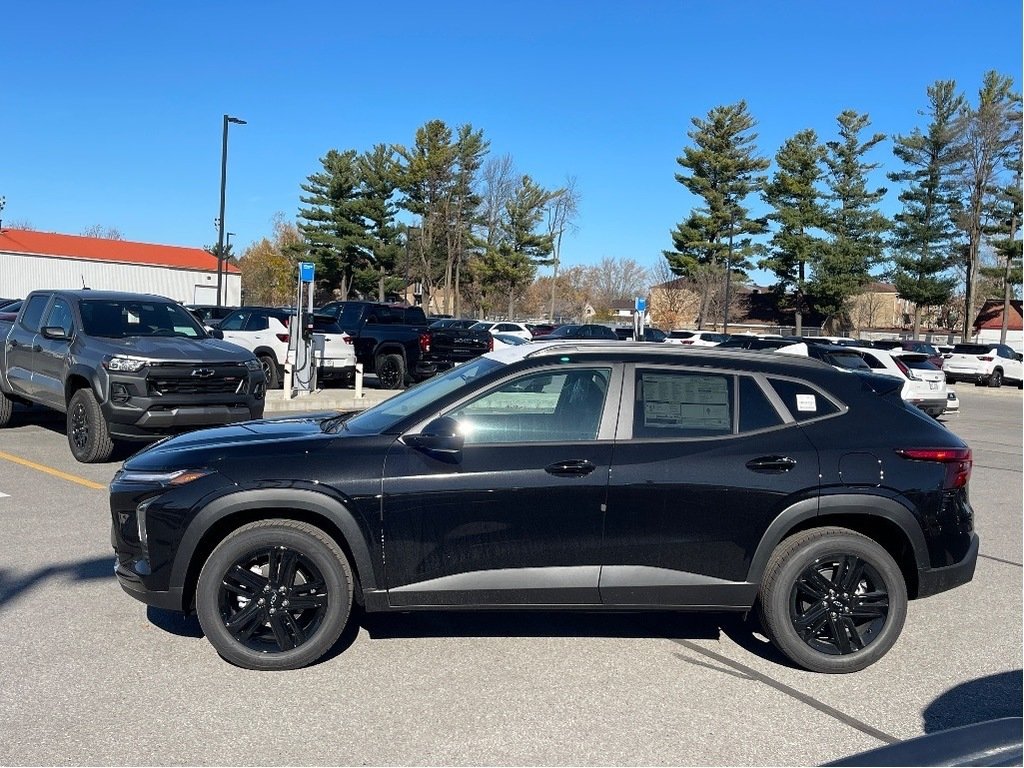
359 381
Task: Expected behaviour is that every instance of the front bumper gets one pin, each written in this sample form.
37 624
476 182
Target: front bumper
931 581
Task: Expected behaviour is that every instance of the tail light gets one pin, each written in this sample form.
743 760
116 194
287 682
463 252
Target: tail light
958 463
686 341
905 370
986 358
424 342
346 339
282 337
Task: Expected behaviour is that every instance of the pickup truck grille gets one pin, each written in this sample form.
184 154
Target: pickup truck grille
197 380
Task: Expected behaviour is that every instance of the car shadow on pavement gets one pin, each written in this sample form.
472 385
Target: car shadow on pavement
975 701
14 587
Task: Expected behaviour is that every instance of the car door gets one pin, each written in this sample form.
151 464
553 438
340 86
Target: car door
515 516
1012 367
233 328
48 378
20 346
704 461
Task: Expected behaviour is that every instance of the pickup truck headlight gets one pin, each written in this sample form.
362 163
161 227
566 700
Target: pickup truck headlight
253 365
124 363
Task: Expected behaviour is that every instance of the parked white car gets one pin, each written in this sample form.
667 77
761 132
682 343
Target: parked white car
265 331
924 384
507 340
506 328
990 364
696 338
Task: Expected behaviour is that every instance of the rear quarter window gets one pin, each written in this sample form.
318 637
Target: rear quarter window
803 401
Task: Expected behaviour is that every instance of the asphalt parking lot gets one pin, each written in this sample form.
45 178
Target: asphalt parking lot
90 676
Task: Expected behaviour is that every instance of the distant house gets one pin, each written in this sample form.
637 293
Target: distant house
622 309
31 260
989 322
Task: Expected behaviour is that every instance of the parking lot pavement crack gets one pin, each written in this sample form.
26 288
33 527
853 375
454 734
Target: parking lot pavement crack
1000 560
999 469
753 674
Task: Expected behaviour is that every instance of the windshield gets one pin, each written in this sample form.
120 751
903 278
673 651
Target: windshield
386 415
564 330
851 361
119 319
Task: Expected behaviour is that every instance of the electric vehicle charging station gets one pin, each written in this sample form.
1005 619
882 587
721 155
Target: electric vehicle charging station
300 370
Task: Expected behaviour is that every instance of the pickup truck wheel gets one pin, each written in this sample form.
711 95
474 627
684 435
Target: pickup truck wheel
6 409
390 371
274 595
88 434
270 371
832 600
995 380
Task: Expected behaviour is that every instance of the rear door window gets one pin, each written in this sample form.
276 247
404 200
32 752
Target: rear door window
34 312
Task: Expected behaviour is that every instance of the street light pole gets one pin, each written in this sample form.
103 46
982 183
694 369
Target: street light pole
223 189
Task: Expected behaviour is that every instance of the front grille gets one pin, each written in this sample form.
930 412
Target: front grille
197 380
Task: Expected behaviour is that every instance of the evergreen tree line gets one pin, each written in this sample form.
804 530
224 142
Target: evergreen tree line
825 238
439 213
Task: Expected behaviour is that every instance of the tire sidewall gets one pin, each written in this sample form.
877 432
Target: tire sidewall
777 600
331 563
6 409
99 446
399 374
270 371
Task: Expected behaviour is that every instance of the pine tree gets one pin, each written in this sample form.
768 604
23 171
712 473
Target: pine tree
924 236
1006 212
378 171
855 227
333 225
799 212
724 170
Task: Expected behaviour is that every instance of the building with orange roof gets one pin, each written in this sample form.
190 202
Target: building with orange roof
31 260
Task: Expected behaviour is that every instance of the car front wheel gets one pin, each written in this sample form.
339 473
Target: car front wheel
996 378
274 595
832 600
88 434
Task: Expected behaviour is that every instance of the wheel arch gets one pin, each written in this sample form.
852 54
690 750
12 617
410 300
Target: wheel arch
881 519
80 378
269 351
228 513
389 348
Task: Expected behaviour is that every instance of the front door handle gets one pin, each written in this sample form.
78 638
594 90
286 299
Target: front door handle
771 465
573 468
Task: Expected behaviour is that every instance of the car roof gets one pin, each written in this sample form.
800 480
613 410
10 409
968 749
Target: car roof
86 293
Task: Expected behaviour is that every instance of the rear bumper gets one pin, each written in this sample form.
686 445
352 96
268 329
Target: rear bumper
931 581
933 406
341 371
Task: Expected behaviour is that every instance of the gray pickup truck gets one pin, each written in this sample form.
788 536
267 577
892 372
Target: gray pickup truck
123 366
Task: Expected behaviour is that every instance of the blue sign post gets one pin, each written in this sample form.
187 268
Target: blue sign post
306 270
640 304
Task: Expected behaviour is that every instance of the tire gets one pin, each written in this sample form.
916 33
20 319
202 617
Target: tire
995 380
390 371
6 409
270 371
241 583
88 433
832 565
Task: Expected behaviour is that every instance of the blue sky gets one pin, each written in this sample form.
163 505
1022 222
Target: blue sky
111 111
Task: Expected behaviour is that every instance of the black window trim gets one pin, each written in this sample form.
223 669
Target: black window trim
842 407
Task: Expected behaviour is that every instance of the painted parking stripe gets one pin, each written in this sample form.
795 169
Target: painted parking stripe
5 495
51 471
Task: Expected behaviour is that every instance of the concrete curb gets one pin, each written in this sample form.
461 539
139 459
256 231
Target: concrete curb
326 400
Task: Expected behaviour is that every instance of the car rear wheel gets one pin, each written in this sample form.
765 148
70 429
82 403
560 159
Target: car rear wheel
274 595
88 434
270 371
390 371
832 600
996 379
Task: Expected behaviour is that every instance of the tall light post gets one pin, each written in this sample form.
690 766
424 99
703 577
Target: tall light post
223 188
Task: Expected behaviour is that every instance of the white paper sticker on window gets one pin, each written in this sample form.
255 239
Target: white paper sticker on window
806 403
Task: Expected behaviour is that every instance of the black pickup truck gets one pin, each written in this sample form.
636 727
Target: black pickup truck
123 366
395 342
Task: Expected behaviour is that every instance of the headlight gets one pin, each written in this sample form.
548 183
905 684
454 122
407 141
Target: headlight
124 363
253 365
177 477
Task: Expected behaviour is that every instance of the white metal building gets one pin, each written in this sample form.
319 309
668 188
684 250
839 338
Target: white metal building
31 260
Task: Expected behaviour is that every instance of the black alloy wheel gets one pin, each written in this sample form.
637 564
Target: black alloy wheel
996 379
88 434
839 605
832 600
275 594
390 371
270 371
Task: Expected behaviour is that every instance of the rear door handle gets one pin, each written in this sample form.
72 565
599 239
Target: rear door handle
573 468
771 465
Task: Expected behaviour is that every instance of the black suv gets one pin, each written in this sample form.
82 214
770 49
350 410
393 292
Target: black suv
123 366
562 475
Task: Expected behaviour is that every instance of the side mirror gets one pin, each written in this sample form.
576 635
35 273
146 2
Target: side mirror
1020 357
216 333
440 438
54 332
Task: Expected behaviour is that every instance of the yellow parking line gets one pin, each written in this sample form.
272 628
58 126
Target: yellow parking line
52 471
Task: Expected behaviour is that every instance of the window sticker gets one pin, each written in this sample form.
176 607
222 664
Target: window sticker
687 402
806 403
